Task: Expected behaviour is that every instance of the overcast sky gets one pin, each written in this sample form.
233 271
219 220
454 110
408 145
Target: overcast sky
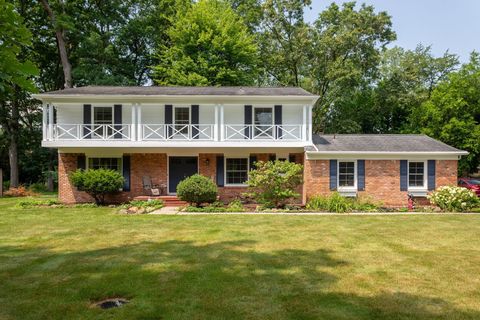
444 24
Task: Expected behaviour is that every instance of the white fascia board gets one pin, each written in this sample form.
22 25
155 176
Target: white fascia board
266 145
118 151
84 98
383 155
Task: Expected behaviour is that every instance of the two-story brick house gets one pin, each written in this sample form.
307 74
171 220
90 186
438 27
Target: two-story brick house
164 134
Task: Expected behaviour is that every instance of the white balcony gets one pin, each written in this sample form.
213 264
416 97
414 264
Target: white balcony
241 132
90 132
174 132
164 132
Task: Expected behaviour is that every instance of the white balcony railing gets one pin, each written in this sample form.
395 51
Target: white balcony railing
178 132
174 132
263 132
91 132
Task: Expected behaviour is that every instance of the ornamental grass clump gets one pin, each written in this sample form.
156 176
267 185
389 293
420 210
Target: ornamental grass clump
454 199
197 189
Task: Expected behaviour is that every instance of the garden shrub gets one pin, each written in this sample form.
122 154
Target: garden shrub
25 204
274 183
217 206
143 206
98 183
21 191
454 199
197 189
339 204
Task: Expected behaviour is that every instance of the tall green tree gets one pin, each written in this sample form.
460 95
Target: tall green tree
405 80
345 53
16 74
210 45
284 39
452 114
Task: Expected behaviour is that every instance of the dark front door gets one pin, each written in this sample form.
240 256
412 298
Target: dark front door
180 168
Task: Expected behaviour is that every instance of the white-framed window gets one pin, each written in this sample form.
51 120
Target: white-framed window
236 171
417 177
263 121
181 119
346 175
102 115
105 163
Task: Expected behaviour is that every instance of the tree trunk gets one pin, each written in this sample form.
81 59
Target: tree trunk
13 161
61 43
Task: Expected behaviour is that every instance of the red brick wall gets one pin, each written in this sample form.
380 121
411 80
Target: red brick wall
151 164
382 180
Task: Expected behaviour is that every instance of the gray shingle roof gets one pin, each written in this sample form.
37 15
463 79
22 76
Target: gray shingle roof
203 91
379 143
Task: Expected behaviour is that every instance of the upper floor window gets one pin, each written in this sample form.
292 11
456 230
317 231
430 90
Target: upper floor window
346 174
102 115
263 121
181 119
105 163
416 174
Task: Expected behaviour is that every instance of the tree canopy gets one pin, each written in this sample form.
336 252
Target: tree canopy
209 46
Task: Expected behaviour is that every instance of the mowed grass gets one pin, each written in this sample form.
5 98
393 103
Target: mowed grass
55 262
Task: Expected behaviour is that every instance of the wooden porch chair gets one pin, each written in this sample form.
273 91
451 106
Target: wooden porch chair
151 188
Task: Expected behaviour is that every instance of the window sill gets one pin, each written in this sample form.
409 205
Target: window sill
236 185
418 192
350 192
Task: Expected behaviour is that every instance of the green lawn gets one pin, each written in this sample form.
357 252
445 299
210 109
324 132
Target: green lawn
55 262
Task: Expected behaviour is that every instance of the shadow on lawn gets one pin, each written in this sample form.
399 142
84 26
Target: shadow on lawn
185 280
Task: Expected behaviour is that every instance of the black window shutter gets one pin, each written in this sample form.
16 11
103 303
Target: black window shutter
431 175
361 175
248 121
251 161
195 121
81 162
169 118
333 174
291 157
87 119
220 171
278 121
272 157
126 172
117 119
403 175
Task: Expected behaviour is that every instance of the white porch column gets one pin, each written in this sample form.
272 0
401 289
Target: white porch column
222 122
50 121
310 123
304 124
139 122
215 127
44 122
134 125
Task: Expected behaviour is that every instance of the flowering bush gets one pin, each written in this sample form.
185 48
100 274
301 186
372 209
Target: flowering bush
454 198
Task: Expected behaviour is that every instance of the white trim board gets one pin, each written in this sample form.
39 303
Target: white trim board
374 155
